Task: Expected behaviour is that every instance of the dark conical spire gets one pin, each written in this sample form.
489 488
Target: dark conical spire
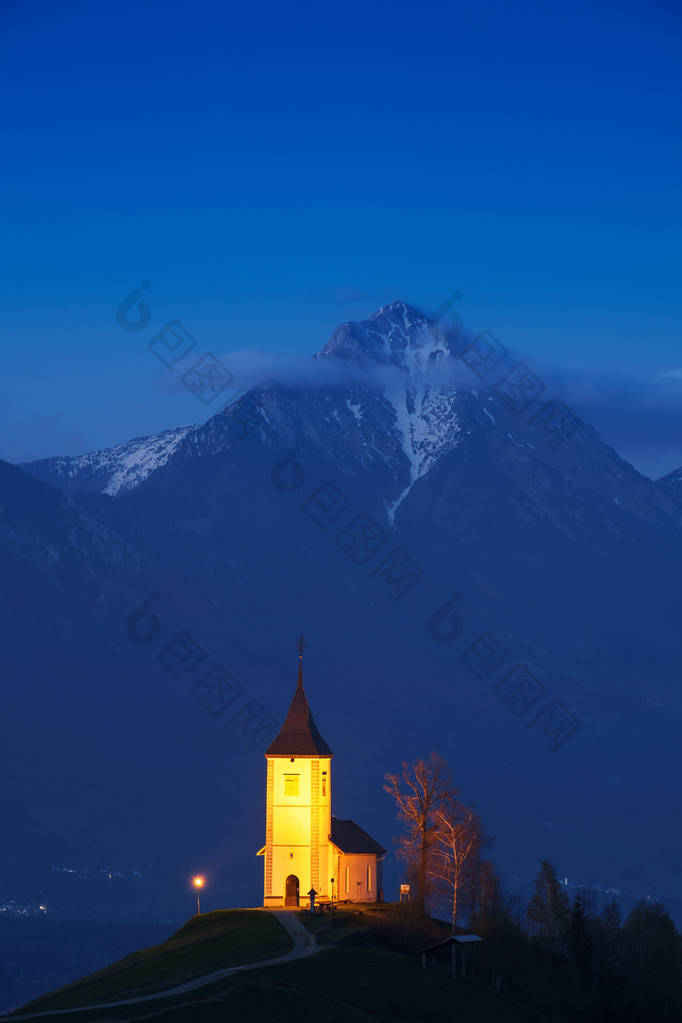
299 735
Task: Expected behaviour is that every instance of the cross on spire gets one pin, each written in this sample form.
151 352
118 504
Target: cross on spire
298 735
300 646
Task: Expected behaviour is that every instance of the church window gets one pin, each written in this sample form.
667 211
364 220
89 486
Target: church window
324 786
291 784
369 877
347 879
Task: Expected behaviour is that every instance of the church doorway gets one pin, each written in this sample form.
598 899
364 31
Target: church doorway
291 891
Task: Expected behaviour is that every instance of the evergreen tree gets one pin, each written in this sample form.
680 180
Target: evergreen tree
547 913
485 903
612 939
579 937
652 962
611 919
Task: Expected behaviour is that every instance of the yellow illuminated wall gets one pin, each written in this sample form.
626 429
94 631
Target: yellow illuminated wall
298 825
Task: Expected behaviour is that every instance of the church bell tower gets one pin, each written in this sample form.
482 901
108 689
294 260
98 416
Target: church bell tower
298 807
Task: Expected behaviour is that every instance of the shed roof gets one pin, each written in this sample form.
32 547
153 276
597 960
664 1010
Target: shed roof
460 937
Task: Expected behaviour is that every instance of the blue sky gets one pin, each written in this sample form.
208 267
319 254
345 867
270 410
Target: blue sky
272 172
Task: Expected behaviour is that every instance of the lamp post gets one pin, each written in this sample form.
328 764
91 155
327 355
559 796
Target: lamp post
198 883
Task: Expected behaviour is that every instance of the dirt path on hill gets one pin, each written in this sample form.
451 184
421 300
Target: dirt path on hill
304 945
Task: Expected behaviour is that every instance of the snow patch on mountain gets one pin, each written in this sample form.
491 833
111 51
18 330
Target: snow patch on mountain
408 360
113 471
425 413
133 462
356 410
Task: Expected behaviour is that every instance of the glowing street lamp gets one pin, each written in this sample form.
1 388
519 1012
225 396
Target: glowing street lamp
198 883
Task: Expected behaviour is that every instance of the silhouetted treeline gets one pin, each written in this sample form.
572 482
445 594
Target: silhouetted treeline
570 961
579 961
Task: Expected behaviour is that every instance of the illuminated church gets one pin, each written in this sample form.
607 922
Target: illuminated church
305 846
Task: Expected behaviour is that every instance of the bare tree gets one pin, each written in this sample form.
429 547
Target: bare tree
455 865
421 791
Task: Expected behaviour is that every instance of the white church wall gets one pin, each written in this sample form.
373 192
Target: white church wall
355 871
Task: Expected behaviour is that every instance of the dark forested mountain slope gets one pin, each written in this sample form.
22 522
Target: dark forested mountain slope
489 582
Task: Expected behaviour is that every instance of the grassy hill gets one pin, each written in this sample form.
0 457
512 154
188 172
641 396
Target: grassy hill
212 941
361 973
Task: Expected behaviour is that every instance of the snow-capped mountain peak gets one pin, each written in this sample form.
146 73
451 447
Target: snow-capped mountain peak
386 339
400 409
411 356
398 406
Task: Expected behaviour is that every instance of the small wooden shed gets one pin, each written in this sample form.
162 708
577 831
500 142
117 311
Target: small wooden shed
455 953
